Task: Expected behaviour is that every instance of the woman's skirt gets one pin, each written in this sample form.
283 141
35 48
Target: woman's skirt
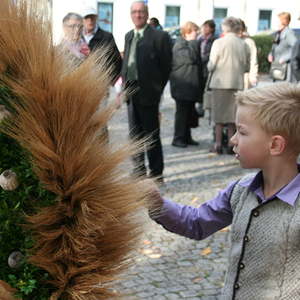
223 106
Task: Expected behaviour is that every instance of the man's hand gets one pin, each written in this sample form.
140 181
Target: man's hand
119 100
270 58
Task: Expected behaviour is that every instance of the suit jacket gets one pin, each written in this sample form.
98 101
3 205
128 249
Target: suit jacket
105 39
153 60
229 61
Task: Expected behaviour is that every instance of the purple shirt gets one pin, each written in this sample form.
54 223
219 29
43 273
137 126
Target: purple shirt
213 215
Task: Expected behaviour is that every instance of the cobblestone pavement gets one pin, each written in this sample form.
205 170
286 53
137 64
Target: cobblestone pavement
168 266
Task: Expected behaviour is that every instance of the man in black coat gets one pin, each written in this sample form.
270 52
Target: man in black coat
97 38
146 69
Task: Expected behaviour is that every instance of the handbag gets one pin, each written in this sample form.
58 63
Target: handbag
278 71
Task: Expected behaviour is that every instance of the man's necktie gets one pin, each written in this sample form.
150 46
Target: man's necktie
132 68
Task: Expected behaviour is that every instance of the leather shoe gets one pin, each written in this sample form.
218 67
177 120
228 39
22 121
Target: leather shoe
193 142
179 144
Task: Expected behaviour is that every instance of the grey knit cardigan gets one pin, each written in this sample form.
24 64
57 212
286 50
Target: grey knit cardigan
264 259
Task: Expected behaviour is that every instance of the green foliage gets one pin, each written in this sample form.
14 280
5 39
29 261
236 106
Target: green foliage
29 280
264 44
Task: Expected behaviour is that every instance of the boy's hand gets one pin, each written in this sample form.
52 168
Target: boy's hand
154 201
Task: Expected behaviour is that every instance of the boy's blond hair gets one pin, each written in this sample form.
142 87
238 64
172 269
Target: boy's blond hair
277 109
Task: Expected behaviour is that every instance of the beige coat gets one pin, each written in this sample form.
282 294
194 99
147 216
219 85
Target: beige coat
251 77
229 60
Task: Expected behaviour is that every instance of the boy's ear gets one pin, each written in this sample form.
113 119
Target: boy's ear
278 144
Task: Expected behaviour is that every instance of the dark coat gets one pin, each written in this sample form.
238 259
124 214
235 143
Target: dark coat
105 39
186 77
153 60
205 52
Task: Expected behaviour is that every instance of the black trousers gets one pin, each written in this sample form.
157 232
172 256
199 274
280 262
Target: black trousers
184 118
144 123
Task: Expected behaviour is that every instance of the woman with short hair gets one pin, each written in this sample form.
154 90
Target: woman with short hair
283 43
228 62
186 83
72 40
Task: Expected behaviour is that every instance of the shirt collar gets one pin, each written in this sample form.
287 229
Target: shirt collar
93 32
140 31
288 193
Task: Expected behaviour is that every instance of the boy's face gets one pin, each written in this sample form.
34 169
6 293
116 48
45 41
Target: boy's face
251 142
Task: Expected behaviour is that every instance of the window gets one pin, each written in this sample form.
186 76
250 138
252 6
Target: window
105 16
219 15
264 20
172 16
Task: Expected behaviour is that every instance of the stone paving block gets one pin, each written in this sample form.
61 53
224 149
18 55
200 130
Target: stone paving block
171 296
189 294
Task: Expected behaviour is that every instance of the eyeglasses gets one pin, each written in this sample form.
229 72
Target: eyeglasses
141 12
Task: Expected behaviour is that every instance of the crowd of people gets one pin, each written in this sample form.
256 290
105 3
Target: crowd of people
205 72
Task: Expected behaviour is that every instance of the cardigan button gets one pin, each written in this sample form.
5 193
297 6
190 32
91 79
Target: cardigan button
236 286
255 213
246 238
241 266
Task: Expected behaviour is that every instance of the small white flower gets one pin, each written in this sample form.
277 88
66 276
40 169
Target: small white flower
8 180
15 259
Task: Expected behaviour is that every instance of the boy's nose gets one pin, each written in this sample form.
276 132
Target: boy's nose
233 139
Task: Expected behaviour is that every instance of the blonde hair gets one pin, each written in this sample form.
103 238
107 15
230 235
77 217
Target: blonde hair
277 109
286 17
188 27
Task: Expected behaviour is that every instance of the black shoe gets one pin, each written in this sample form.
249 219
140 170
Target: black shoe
216 149
192 142
179 144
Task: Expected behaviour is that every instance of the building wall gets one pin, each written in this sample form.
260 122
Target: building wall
190 10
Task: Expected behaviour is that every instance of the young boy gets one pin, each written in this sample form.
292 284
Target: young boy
263 208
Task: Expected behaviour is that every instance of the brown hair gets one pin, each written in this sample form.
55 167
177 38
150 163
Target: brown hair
277 109
188 27
285 18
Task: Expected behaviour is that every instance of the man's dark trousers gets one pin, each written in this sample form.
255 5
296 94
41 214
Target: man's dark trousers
144 123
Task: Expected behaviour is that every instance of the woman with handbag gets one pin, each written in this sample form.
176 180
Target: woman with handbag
281 52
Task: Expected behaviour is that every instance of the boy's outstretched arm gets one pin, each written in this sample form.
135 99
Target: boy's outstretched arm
195 223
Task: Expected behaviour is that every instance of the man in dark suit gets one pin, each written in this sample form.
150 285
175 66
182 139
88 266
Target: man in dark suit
146 69
96 38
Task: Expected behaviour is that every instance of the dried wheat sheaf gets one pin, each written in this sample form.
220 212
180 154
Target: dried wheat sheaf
85 239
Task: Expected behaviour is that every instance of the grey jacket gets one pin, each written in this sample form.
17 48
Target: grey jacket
283 44
295 62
